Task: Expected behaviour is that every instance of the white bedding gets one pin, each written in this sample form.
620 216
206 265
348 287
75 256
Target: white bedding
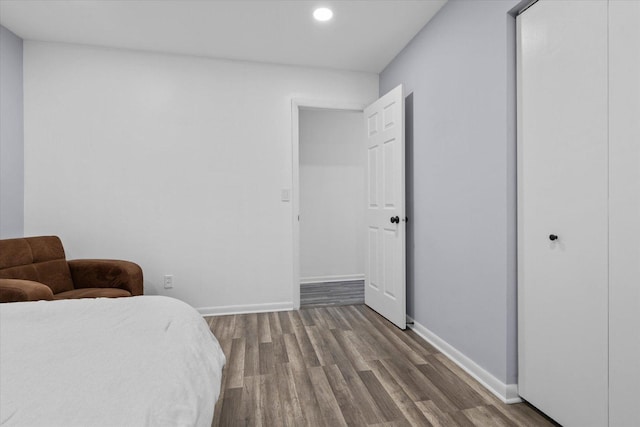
141 361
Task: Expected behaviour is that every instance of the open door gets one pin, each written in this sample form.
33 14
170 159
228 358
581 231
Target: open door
385 288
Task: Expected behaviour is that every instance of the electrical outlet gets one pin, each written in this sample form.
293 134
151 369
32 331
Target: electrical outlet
168 281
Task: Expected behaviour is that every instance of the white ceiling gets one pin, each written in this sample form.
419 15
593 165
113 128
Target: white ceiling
363 36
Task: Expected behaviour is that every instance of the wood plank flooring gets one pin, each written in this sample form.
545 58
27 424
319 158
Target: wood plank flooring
346 366
332 293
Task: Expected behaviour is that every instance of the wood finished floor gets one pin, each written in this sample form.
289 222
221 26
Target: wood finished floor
346 365
332 293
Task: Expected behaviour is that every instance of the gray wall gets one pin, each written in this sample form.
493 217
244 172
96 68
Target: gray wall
11 136
459 72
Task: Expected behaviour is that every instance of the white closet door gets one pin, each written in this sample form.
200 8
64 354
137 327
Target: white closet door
562 191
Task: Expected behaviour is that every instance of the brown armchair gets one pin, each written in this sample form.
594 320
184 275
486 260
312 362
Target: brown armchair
35 268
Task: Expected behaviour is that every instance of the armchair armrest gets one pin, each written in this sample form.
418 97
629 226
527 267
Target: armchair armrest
106 273
17 290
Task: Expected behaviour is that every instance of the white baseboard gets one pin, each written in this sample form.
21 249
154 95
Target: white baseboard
242 309
508 393
329 279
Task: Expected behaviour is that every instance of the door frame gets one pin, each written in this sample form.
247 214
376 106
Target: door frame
296 105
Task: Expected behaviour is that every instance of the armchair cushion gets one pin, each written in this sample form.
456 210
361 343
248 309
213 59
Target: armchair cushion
16 290
93 293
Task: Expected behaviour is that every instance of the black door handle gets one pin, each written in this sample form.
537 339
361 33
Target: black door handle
395 220
553 237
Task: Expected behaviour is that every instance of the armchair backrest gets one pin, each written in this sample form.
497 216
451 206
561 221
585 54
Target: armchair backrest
40 259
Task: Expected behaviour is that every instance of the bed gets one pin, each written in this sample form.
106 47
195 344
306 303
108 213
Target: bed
140 361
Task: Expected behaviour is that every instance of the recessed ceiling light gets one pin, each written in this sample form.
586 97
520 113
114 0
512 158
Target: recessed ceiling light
322 14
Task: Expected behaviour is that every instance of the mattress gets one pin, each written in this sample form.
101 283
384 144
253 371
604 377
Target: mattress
140 361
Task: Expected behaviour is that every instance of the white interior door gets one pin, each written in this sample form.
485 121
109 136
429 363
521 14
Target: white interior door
385 288
562 210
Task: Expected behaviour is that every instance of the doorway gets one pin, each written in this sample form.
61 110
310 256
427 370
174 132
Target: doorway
381 188
324 155
332 188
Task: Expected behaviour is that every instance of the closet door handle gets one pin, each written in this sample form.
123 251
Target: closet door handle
553 237
395 220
